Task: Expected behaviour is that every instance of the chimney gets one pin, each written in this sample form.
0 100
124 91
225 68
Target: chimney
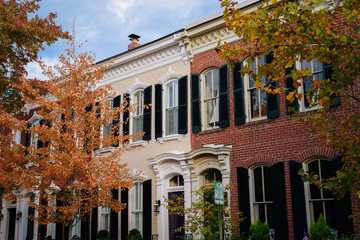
134 41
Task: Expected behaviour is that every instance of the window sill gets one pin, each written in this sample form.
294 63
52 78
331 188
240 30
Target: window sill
105 150
169 138
138 143
258 121
209 131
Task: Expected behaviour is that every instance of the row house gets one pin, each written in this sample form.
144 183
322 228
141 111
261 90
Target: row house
204 123
267 147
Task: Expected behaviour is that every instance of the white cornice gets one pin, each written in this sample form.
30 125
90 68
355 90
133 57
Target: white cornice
170 75
148 57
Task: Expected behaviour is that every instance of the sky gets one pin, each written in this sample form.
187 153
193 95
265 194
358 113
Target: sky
106 24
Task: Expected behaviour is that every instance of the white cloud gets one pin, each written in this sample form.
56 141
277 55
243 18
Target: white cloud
34 70
122 8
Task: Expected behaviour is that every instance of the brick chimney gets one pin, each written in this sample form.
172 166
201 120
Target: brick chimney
134 41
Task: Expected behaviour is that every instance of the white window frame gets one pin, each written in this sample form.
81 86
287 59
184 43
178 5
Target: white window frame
302 107
178 176
309 212
247 93
105 218
135 115
253 212
205 99
174 107
136 198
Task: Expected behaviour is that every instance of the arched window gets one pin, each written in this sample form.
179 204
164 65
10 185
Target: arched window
262 194
320 201
171 108
212 176
176 181
211 98
138 116
257 106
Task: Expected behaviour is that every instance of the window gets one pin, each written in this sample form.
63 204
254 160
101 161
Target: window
136 206
257 97
34 137
107 128
212 176
138 117
176 181
211 98
320 201
105 219
262 194
171 108
318 73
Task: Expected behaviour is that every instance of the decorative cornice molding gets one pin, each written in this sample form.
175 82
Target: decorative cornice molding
209 40
156 55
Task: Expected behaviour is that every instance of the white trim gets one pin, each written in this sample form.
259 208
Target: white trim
170 75
137 86
169 138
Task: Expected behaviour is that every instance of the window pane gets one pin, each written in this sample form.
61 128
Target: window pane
305 64
263 103
137 127
170 95
261 212
215 92
330 215
212 112
106 130
173 181
267 183
317 208
171 121
269 215
255 105
325 173
258 185
317 67
208 85
181 180
314 191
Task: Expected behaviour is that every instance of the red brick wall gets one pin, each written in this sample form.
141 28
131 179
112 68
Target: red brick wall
266 141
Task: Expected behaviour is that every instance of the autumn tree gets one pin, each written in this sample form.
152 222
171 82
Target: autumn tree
23 34
317 31
74 164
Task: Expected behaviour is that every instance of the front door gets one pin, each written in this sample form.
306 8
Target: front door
12 222
175 221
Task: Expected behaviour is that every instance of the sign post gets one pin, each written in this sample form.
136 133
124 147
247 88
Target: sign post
219 200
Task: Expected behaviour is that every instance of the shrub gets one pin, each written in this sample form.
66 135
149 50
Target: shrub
103 235
320 230
134 234
259 231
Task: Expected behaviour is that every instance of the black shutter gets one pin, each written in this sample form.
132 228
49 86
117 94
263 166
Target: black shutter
40 143
27 136
116 120
42 227
114 219
298 200
342 207
183 109
158 110
30 224
195 103
147 113
239 101
59 225
85 227
124 214
126 115
94 223
272 101
328 71
291 107
243 196
224 97
147 210
279 213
